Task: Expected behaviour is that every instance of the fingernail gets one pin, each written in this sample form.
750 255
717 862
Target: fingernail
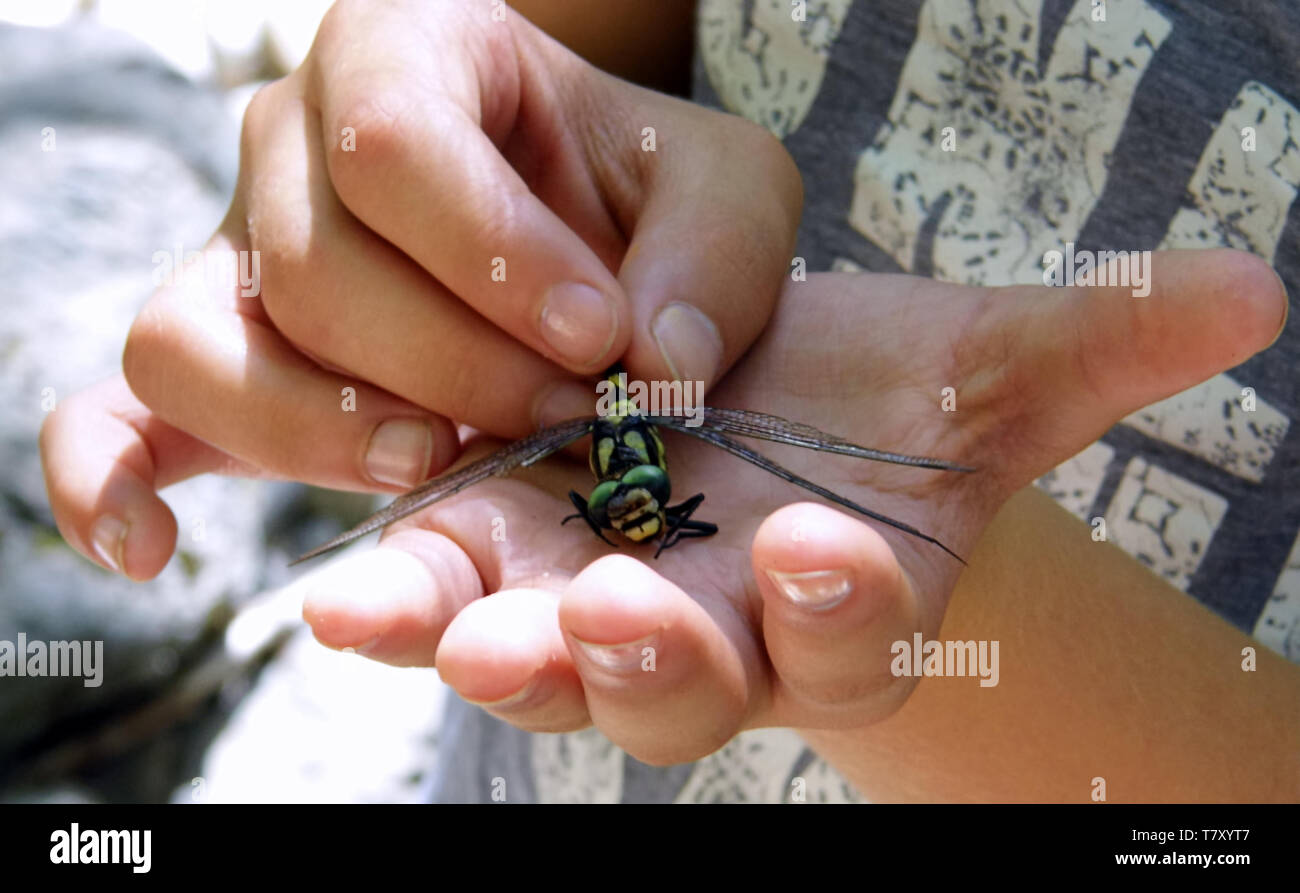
623 658
108 536
356 602
689 343
814 590
521 698
400 452
579 323
565 400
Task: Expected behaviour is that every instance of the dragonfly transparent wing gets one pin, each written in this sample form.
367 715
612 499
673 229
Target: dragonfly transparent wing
519 454
718 439
778 430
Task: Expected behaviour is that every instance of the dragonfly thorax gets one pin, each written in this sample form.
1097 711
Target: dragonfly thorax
619 444
632 487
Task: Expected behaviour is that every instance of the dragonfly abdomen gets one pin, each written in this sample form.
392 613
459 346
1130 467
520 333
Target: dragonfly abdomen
632 504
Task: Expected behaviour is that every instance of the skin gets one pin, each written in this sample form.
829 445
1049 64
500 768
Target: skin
521 152
1106 673
1039 374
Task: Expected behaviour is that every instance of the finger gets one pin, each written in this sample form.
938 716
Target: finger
392 604
424 173
835 600
665 679
348 298
712 242
105 456
1207 311
1077 360
231 380
506 654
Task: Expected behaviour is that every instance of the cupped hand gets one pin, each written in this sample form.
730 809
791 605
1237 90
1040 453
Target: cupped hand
454 217
786 617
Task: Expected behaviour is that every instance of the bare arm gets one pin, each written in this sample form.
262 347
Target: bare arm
646 43
1105 671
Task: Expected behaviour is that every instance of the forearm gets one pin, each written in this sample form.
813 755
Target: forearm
1106 671
647 43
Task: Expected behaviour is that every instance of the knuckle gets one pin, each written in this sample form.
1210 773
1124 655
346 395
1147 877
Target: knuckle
291 253
145 342
333 29
774 164
496 222
366 133
155 362
260 116
287 261
339 27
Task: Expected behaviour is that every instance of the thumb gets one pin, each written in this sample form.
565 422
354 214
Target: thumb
1083 358
712 244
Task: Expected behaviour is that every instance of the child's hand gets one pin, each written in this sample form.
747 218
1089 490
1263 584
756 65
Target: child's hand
572 632
454 215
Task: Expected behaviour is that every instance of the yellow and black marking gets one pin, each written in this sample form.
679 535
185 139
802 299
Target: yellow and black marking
632 484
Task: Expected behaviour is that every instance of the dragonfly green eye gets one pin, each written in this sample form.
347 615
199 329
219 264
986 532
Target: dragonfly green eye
652 478
598 504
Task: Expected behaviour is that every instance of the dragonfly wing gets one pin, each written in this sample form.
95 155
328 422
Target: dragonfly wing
703 432
519 454
778 430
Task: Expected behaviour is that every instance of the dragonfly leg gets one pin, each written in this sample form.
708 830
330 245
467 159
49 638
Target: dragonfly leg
581 505
680 525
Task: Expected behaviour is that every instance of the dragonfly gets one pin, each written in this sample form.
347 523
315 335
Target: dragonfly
633 488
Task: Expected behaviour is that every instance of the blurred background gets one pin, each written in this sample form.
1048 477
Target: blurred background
119 134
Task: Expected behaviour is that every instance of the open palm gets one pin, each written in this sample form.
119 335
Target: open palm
788 618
